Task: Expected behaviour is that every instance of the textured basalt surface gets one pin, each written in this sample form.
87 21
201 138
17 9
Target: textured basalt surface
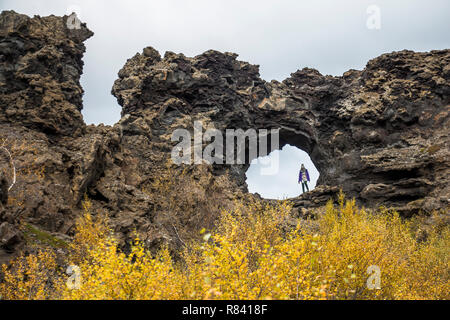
380 134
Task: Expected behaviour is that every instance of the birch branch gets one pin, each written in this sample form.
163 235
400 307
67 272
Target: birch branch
11 162
178 236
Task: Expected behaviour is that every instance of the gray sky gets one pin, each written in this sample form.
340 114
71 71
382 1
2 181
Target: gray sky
279 35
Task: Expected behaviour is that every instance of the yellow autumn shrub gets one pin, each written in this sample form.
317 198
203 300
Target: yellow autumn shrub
32 277
112 274
236 261
249 257
256 251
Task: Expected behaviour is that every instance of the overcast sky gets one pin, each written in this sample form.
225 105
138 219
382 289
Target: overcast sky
279 35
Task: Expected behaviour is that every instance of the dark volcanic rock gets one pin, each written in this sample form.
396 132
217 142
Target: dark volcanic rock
381 134
40 68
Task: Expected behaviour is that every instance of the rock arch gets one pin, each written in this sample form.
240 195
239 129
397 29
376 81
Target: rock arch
363 130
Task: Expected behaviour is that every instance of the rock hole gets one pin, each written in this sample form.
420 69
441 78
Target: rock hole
283 184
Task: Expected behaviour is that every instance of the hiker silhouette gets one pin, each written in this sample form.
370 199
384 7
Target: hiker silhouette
303 178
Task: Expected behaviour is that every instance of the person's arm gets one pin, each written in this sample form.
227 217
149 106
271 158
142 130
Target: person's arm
300 176
307 175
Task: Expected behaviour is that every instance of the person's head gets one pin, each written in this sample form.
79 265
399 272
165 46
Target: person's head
303 166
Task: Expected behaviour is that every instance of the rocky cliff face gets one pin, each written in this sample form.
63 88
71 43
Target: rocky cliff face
40 72
380 134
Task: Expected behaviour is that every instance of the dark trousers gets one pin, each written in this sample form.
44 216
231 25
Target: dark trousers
305 183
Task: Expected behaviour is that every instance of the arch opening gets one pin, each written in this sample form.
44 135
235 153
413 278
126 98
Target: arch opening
282 183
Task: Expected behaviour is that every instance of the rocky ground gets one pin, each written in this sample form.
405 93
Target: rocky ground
380 134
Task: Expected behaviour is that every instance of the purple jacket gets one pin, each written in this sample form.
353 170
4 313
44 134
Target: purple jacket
300 175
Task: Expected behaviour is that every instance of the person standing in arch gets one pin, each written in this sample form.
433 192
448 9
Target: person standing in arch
303 178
